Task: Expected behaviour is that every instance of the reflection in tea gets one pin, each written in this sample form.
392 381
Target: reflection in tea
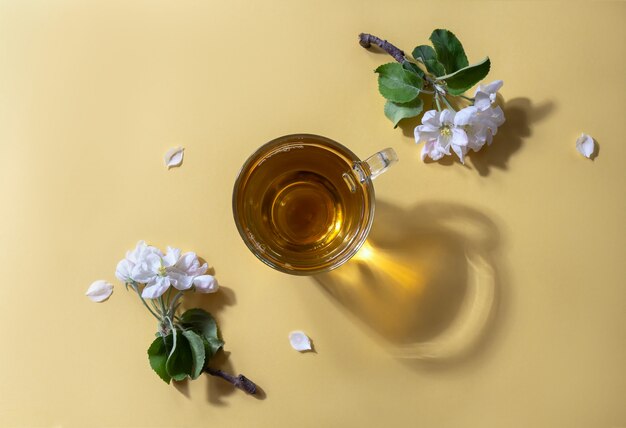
303 208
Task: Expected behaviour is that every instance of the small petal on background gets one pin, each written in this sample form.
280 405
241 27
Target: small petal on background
300 341
174 157
99 291
585 145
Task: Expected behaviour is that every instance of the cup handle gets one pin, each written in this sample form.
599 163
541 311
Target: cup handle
378 163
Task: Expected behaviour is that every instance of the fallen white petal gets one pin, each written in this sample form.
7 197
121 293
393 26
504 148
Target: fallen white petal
174 157
585 145
300 341
99 291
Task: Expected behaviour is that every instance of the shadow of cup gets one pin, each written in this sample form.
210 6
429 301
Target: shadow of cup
425 280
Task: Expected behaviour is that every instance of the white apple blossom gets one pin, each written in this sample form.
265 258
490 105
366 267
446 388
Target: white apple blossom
148 265
468 129
152 271
480 125
439 134
491 119
487 118
187 271
125 268
485 95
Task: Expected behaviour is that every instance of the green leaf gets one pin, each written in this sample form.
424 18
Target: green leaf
461 80
424 53
211 347
208 352
198 353
202 323
414 68
398 111
157 354
434 67
214 344
397 84
427 55
179 364
449 50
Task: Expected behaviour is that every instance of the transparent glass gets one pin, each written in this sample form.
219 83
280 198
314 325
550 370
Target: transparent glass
304 204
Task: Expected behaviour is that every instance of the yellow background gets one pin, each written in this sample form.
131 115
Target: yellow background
93 93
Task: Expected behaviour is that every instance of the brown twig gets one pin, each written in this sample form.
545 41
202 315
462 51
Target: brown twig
240 381
366 40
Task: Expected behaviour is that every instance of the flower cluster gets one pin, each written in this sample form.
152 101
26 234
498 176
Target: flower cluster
148 265
443 72
470 128
185 343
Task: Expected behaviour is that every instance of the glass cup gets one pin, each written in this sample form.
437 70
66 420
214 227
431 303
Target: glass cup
304 204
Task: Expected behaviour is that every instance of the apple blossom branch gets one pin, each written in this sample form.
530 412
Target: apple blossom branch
441 70
185 342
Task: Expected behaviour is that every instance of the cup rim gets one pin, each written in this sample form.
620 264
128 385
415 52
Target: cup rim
352 250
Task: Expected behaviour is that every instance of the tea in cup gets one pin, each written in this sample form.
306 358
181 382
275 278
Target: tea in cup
304 204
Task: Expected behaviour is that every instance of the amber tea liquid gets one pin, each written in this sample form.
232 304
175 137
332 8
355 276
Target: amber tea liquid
303 209
301 203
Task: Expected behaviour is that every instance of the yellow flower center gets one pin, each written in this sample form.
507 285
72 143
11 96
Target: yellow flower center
162 271
445 131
